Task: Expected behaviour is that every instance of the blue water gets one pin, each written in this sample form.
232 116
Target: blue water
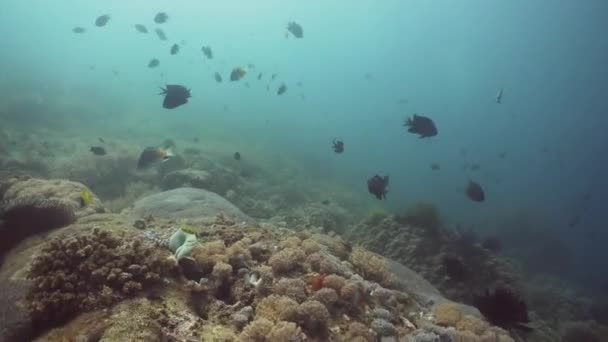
444 59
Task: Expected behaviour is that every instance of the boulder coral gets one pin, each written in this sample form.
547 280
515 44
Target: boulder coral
32 206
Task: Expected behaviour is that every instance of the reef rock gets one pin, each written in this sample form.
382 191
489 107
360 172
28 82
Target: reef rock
186 203
187 178
32 205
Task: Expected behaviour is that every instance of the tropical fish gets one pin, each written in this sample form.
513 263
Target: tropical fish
102 20
295 29
141 28
98 150
174 49
175 95
86 198
421 125
78 29
218 77
161 18
237 73
282 89
499 96
207 52
474 192
338 146
153 63
377 186
152 155
160 33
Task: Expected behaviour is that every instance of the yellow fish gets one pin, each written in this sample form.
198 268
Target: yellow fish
86 198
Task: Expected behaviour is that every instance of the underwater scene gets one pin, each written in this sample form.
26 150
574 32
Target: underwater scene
269 171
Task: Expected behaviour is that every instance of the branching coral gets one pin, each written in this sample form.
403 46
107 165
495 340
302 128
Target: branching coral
90 271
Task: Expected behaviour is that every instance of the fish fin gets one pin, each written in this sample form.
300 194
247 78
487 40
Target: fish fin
169 153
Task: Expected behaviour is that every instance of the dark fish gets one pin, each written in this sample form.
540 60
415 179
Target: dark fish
141 28
101 140
218 77
237 156
502 155
207 52
161 18
153 63
421 125
175 96
174 49
299 83
251 66
325 202
260 76
102 20
368 76
196 139
151 155
499 96
282 89
237 74
161 34
98 150
273 77
338 146
574 221
247 85
78 29
377 186
475 167
295 29
475 192
435 166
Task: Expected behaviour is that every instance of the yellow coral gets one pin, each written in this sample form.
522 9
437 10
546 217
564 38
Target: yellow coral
447 314
291 242
473 324
256 331
286 331
310 246
286 260
277 308
370 266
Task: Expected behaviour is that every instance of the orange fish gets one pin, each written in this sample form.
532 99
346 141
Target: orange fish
151 155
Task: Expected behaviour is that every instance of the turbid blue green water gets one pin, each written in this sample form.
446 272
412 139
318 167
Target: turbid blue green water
248 99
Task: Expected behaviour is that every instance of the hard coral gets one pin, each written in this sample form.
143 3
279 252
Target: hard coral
90 271
313 317
286 260
286 331
257 330
292 288
370 266
277 308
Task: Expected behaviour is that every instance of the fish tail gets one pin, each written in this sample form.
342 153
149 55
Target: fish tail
169 153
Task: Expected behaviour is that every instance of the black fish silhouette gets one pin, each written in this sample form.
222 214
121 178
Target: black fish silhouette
102 20
295 29
421 125
175 96
377 186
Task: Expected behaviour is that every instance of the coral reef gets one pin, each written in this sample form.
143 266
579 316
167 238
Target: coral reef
32 205
90 271
449 259
423 215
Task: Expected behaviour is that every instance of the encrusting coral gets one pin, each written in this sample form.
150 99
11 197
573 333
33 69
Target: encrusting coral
89 271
